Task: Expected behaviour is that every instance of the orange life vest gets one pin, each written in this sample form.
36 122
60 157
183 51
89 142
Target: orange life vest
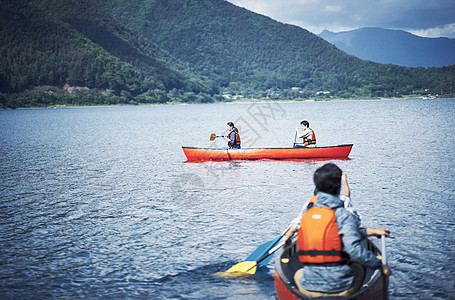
314 199
312 141
237 139
318 238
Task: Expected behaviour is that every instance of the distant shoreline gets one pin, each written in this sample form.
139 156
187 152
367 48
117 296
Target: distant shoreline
245 101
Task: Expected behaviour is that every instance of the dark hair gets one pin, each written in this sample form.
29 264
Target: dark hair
328 179
230 124
305 122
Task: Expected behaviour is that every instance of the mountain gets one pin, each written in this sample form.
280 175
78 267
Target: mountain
155 51
394 47
244 52
238 48
229 43
76 43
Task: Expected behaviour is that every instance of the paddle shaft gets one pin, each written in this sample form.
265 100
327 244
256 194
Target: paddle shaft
264 248
385 291
213 136
250 265
383 253
284 232
271 251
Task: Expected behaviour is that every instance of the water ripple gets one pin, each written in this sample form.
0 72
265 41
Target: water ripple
98 202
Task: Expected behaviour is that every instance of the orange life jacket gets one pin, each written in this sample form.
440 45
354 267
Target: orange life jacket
314 199
237 139
318 238
312 141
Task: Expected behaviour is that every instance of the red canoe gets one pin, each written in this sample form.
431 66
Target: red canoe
201 154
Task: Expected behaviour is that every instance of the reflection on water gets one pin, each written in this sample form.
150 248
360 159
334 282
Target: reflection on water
99 202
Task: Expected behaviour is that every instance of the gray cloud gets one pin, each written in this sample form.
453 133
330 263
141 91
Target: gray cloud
423 17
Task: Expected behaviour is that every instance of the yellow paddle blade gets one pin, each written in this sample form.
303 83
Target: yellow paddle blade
241 269
212 136
244 268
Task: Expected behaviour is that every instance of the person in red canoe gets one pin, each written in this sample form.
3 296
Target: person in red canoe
329 242
308 136
233 137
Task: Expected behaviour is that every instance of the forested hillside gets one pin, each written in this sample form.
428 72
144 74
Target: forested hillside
85 52
72 52
247 52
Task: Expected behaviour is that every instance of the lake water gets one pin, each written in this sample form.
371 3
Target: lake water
99 202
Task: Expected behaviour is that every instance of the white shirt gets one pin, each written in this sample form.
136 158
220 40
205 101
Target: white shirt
307 133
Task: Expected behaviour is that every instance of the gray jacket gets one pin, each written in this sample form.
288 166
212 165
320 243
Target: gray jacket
339 277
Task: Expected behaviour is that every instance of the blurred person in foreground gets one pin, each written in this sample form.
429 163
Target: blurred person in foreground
329 241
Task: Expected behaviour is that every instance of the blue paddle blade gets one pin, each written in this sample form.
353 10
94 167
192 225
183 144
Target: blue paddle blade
262 250
265 261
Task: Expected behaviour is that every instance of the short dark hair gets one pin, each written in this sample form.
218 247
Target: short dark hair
328 179
230 124
305 122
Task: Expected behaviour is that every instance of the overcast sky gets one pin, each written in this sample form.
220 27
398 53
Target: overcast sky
429 18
